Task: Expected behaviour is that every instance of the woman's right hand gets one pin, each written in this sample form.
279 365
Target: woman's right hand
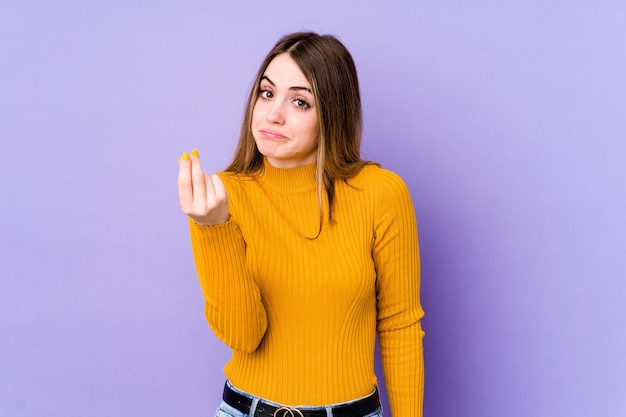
202 196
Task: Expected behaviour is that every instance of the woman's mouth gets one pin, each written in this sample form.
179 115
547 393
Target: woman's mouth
271 134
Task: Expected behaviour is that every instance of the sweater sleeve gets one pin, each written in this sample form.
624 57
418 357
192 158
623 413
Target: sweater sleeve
233 306
396 256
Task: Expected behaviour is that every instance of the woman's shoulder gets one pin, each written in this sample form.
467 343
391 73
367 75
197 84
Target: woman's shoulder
385 188
376 178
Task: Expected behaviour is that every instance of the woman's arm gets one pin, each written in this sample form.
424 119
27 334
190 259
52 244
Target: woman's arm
233 306
396 255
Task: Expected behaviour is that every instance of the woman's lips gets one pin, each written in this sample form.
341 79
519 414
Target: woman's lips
270 134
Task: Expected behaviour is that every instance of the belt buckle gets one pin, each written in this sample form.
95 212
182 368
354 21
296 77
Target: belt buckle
288 412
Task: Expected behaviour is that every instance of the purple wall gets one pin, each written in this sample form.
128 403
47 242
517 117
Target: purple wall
503 117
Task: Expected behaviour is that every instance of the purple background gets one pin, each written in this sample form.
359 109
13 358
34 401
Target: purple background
502 116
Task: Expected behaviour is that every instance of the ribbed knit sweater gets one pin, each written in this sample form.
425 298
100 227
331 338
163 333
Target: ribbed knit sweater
301 313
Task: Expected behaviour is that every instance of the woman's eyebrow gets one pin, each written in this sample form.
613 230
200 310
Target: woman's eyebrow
266 78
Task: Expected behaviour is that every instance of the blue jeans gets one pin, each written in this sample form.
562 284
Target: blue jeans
225 410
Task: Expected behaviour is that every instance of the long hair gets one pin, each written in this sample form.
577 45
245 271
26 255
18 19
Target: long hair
329 68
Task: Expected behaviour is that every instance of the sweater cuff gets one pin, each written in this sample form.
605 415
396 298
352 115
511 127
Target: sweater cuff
209 236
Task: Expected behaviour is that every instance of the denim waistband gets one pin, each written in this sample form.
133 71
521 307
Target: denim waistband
259 407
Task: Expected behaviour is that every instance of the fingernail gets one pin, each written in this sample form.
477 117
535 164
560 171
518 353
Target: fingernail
195 153
186 156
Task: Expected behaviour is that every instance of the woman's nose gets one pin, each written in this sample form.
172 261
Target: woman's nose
275 113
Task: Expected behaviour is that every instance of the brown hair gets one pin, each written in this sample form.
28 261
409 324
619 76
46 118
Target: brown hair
329 68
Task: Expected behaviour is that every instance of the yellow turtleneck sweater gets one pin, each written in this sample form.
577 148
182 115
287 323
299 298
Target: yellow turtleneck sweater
301 314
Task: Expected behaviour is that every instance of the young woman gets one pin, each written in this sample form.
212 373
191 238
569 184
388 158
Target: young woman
304 251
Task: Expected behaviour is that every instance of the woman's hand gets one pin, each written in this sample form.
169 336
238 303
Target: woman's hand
202 196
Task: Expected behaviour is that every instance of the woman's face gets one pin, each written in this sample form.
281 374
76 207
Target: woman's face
284 118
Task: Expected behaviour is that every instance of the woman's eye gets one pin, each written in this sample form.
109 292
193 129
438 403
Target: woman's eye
301 103
266 94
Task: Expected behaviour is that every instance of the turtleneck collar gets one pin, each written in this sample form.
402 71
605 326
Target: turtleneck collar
289 180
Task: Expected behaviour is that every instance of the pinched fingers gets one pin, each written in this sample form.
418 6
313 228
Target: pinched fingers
202 196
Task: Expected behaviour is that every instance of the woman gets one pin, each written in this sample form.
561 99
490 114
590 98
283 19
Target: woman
304 251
